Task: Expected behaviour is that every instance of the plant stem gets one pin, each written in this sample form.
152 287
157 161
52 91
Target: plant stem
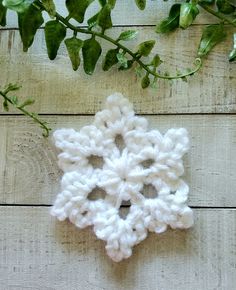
217 14
125 49
136 58
29 114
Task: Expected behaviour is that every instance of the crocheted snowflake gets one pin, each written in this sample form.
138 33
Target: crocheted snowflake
147 158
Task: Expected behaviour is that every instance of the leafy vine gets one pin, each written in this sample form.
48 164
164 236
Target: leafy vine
146 63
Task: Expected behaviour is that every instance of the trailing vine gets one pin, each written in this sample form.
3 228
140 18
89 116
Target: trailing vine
21 106
30 19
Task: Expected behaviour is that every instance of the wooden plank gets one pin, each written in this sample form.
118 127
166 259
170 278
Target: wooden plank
211 90
155 12
29 172
36 252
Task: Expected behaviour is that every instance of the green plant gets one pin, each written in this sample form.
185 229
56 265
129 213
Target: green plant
183 14
21 106
147 65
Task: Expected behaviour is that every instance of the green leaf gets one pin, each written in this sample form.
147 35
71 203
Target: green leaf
3 13
110 59
224 6
188 12
29 21
55 32
212 35
128 35
141 4
49 7
73 46
104 17
5 105
128 65
102 2
138 71
156 61
14 100
112 3
145 47
171 22
92 21
77 8
26 103
232 55
123 61
91 51
145 82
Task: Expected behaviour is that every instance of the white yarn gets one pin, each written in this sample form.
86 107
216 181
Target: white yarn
122 176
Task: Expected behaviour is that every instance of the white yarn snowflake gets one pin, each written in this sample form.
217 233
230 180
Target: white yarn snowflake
148 158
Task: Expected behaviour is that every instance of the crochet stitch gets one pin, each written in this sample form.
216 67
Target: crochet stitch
147 159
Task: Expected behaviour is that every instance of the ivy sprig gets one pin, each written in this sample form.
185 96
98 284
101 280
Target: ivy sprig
21 106
90 49
182 15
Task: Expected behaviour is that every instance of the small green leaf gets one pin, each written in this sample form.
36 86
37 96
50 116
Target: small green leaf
128 65
29 21
49 7
212 35
18 6
91 51
145 47
73 46
55 32
138 71
110 59
224 6
26 103
11 87
112 3
3 13
102 2
104 17
145 82
188 12
123 61
128 35
5 105
184 79
141 4
171 22
93 21
14 100
77 8
156 61
232 55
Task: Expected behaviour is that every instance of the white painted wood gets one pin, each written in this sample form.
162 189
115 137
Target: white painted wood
36 252
155 11
211 90
29 172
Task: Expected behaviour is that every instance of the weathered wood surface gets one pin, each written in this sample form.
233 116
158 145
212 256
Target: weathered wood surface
155 11
29 172
211 90
36 252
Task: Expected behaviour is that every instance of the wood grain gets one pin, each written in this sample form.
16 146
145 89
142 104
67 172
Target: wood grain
212 90
36 252
155 11
29 172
